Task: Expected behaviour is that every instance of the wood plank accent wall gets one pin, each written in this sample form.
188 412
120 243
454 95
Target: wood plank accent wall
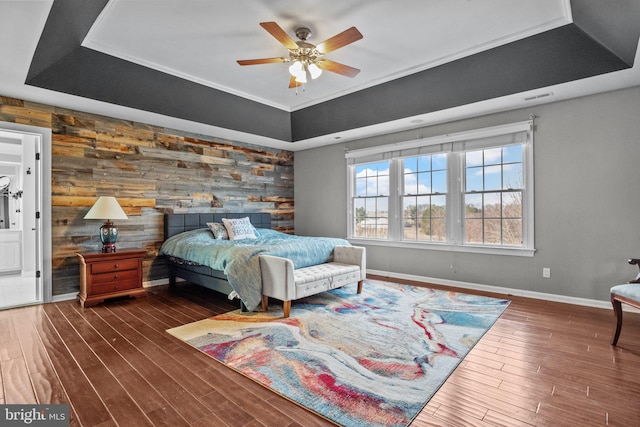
151 171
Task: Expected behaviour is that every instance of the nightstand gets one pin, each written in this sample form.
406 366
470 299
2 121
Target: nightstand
110 275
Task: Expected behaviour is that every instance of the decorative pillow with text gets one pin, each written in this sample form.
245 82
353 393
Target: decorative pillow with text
239 228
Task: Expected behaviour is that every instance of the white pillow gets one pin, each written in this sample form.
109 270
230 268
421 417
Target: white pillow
218 230
239 228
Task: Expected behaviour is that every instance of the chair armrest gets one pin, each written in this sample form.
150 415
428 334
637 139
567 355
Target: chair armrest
354 255
635 261
277 277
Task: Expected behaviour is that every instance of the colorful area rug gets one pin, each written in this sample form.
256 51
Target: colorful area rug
374 358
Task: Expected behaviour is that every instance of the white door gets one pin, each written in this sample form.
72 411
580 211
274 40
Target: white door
20 204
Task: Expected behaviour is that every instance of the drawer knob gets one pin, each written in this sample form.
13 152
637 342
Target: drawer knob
115 266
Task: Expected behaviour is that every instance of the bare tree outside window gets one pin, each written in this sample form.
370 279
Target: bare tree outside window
424 198
493 197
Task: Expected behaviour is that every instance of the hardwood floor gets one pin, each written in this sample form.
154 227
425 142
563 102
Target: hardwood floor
542 363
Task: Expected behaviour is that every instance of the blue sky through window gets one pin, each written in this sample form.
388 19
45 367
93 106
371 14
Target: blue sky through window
494 169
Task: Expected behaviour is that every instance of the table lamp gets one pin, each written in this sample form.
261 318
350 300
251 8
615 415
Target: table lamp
107 208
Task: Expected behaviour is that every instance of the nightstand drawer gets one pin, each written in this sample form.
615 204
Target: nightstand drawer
121 285
115 276
119 265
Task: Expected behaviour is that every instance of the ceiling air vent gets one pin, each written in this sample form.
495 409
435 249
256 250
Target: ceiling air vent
540 96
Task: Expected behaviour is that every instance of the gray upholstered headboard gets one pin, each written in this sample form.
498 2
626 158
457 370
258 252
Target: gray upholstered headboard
178 223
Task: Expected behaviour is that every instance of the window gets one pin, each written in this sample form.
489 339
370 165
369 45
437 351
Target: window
424 202
371 201
493 196
471 191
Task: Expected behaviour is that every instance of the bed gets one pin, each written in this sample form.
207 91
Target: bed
194 272
233 267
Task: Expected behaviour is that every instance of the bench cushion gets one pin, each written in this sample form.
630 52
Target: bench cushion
323 277
322 271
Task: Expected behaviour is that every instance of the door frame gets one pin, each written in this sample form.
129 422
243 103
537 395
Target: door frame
44 178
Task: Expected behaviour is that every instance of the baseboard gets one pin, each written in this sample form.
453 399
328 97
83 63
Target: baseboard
64 297
157 282
74 295
445 282
500 290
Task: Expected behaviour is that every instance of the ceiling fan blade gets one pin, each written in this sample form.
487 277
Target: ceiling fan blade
339 40
261 61
293 83
276 31
336 67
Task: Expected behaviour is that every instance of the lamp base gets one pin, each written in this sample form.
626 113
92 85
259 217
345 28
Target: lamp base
108 237
108 247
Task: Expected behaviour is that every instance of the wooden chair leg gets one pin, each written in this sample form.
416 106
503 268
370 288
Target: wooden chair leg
617 309
286 307
265 302
360 286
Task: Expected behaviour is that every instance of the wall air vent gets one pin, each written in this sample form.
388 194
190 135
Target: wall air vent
540 96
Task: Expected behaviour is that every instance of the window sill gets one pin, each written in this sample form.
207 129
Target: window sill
488 250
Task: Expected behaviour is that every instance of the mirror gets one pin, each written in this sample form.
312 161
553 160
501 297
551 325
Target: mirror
4 182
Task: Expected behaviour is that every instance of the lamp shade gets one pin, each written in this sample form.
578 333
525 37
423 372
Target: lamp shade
106 207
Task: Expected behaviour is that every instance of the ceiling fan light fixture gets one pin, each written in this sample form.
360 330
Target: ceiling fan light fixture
302 77
314 70
305 57
296 69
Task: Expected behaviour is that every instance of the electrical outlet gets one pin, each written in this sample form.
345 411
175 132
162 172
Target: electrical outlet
546 272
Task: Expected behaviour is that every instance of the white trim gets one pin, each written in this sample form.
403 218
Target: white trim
528 200
478 249
159 282
458 145
568 13
501 290
64 297
444 282
74 295
442 139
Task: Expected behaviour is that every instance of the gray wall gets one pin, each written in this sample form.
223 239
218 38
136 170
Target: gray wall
587 206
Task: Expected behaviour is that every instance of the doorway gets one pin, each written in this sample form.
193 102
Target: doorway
22 247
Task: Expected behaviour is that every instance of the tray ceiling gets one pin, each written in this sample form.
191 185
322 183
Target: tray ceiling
422 61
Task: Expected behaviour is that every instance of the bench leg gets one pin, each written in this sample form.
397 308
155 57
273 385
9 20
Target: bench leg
286 307
360 286
265 302
617 309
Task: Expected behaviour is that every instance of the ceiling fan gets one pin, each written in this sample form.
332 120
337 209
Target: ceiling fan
308 59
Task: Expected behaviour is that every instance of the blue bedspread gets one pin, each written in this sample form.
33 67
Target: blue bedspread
239 260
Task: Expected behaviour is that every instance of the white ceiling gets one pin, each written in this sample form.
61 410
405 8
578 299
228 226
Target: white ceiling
201 40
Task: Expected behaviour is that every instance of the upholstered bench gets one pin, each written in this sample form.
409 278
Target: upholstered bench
280 280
